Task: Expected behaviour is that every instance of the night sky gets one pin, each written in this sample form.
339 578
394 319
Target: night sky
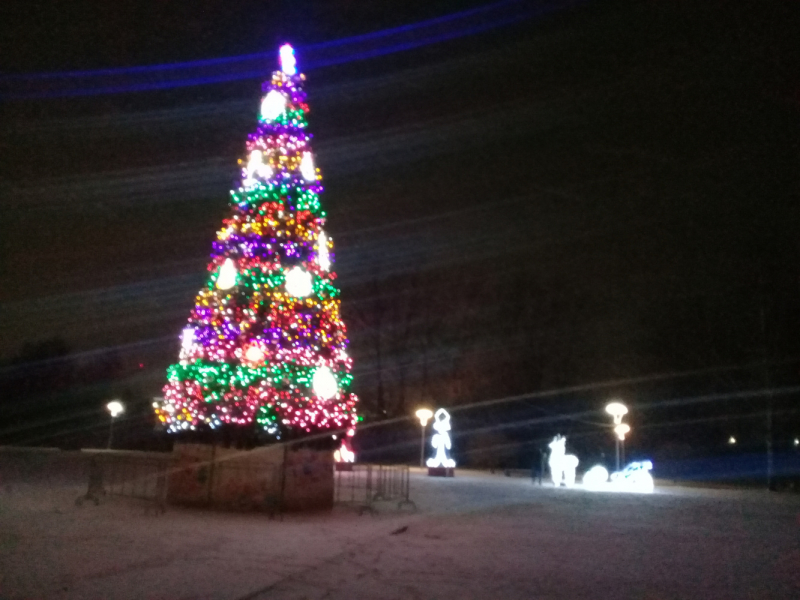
599 192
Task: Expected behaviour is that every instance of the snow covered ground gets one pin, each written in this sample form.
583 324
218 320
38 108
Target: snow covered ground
473 536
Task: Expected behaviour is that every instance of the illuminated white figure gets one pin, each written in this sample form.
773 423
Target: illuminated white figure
562 465
273 105
298 282
595 478
307 169
227 275
256 168
323 255
441 441
187 342
324 383
288 61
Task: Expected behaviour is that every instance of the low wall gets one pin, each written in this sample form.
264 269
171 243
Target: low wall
268 478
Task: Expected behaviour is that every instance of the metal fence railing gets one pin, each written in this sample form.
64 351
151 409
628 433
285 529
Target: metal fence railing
130 474
364 485
273 481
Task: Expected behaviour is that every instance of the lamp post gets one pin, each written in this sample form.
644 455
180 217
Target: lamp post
618 410
424 415
115 408
621 430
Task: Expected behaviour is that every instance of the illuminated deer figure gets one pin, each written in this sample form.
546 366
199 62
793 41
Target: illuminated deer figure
562 465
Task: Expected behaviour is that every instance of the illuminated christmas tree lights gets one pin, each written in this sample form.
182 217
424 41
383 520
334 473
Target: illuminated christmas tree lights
265 345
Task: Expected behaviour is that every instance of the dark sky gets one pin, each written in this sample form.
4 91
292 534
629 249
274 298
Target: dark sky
608 191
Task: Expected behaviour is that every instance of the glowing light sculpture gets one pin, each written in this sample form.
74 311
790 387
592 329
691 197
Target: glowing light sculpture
595 478
562 465
441 441
634 478
265 346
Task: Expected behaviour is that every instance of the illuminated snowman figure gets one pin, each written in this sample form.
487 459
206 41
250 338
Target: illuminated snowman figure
441 441
562 465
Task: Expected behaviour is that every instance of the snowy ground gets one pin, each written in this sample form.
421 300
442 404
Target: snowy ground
474 536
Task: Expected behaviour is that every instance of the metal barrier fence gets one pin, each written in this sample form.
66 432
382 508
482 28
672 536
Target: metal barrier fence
363 485
133 475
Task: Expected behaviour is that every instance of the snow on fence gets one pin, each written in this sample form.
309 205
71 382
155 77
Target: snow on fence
363 485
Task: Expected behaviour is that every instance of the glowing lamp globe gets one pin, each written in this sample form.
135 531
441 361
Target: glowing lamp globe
621 430
288 61
307 169
273 105
227 275
324 383
115 407
617 410
298 282
424 415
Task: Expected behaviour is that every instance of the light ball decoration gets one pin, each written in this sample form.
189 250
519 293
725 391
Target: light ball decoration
227 275
254 354
595 478
273 105
307 168
324 383
299 282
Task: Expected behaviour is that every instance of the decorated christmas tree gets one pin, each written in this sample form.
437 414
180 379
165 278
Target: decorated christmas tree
265 348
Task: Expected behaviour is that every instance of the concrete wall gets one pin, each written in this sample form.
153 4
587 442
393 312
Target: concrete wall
267 478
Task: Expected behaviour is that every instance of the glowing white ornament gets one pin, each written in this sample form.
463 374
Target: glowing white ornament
298 282
227 275
441 441
254 354
288 61
307 168
187 341
324 383
562 465
595 478
273 105
256 168
323 256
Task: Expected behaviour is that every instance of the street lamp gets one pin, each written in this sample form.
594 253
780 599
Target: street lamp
617 410
621 430
424 415
115 408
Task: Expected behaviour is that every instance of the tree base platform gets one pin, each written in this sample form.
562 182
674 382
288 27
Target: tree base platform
441 472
